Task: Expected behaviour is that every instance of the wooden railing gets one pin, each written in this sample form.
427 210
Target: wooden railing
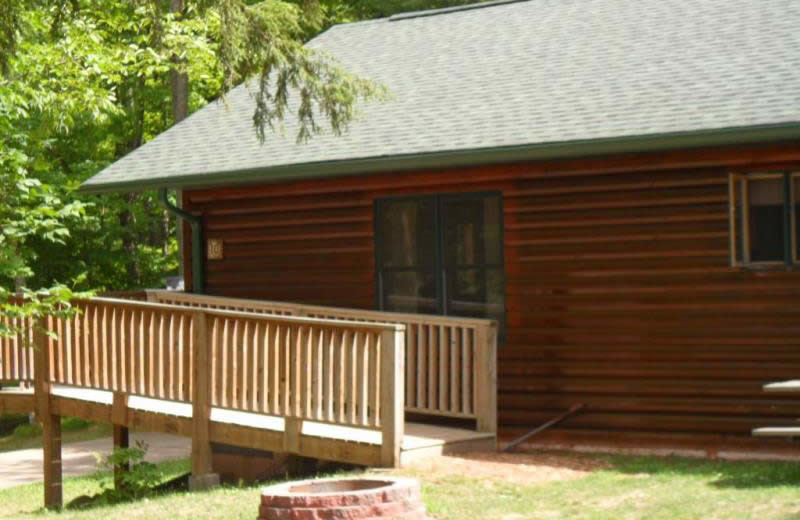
124 346
451 362
347 373
306 368
16 354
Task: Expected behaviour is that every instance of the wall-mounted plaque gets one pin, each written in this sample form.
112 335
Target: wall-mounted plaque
214 249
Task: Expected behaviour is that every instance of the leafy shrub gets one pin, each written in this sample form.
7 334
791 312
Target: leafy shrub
138 481
73 424
26 431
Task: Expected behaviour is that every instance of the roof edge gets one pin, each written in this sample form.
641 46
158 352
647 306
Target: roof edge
470 157
447 10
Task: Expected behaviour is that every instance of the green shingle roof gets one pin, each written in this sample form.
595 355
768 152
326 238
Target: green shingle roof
513 80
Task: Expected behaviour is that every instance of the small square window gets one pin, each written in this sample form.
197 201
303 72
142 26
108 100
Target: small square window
764 219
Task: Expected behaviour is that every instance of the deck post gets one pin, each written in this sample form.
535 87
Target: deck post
121 434
51 424
392 379
486 378
202 475
292 431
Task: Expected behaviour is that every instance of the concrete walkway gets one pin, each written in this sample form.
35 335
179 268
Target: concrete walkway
25 466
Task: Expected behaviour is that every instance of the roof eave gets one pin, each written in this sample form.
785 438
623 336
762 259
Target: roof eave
471 157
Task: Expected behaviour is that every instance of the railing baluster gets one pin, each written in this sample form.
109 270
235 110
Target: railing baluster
147 341
62 358
87 345
341 376
466 370
422 357
330 395
257 364
363 379
172 346
373 375
454 370
411 363
433 375
187 358
319 381
352 377
309 372
163 368
275 369
443 368
226 388
240 368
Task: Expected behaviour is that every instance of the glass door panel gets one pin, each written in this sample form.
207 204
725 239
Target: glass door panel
472 250
407 255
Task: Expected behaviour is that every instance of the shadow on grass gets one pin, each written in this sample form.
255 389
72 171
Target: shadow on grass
717 473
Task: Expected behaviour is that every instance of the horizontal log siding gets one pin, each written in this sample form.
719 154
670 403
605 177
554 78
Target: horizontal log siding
619 292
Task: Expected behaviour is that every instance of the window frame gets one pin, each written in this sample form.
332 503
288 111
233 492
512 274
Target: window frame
793 212
440 265
790 254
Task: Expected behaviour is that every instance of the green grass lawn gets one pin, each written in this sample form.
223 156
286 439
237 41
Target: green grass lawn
624 488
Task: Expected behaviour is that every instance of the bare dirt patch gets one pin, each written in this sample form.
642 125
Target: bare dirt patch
515 468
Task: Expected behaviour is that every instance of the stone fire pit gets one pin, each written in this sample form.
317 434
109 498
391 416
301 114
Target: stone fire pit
351 499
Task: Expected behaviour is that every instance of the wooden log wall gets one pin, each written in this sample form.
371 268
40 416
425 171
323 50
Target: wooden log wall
619 290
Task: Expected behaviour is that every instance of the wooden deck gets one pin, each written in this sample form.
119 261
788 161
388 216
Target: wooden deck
326 383
249 430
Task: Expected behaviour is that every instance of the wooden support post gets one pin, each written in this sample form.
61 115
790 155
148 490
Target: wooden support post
393 343
292 430
119 419
486 378
202 475
51 424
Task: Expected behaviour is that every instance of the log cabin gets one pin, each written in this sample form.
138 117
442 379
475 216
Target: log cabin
615 182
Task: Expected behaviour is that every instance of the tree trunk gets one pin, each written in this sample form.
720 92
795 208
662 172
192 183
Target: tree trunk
179 81
126 221
179 87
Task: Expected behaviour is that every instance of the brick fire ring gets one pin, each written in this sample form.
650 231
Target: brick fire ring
344 499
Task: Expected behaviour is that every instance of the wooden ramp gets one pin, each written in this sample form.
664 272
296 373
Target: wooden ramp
15 400
319 382
249 430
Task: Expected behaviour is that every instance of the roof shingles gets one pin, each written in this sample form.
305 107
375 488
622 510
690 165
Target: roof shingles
531 72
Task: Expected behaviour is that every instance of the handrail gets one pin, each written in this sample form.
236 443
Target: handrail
298 367
451 362
342 372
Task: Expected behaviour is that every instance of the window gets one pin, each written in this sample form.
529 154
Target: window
765 219
441 254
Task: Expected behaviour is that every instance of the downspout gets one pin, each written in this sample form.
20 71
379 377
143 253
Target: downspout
198 280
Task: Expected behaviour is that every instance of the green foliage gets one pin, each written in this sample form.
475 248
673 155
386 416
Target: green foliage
74 424
141 478
83 83
26 431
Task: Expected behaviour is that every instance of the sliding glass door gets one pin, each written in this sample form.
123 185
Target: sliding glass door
441 254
